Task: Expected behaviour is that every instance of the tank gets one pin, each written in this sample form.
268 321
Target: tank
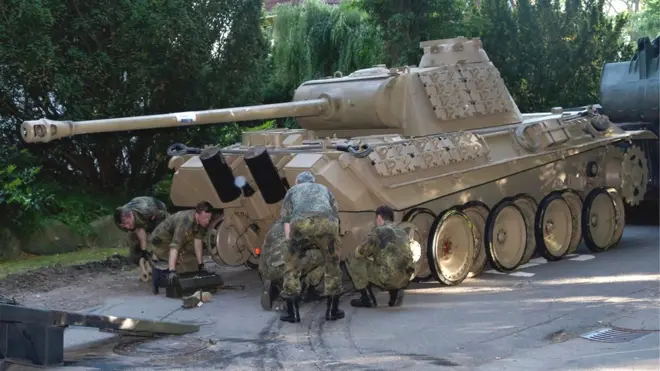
630 97
442 143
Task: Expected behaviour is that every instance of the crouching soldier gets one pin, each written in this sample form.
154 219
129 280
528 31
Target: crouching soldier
139 218
272 265
311 221
384 260
176 244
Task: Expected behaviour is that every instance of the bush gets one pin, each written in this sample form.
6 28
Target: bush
29 201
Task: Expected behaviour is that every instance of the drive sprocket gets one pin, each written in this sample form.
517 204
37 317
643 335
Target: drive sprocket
634 175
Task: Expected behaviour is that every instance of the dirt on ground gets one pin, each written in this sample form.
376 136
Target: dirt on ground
74 287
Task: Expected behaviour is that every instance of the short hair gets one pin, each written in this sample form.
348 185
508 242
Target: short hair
305 177
385 212
203 206
121 213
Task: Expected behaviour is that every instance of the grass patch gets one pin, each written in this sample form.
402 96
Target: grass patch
29 263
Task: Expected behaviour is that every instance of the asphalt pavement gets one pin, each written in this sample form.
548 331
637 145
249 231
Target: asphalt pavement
531 319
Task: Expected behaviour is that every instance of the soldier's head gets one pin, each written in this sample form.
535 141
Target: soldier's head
305 177
384 214
203 213
124 218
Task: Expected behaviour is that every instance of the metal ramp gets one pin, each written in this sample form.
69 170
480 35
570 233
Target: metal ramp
36 336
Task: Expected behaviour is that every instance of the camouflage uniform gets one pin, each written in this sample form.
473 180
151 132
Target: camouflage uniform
273 252
148 212
392 264
178 232
313 215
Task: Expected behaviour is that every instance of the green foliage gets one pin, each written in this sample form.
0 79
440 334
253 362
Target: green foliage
22 198
28 197
647 21
313 40
78 209
405 23
269 124
75 60
551 54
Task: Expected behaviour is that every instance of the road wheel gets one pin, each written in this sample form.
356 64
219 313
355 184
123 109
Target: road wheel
528 206
506 236
553 226
422 219
451 247
222 243
575 203
599 220
620 217
477 212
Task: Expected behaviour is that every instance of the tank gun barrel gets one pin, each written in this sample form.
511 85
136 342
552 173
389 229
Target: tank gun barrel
45 130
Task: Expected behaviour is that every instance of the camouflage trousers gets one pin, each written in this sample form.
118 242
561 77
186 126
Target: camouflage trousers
186 261
364 271
311 265
307 233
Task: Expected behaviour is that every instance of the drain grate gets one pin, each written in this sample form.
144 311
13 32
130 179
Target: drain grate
614 335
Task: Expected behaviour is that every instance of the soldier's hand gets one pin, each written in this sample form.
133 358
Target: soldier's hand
200 267
172 277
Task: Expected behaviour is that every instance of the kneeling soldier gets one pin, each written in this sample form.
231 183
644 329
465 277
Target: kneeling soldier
272 265
384 259
176 244
139 218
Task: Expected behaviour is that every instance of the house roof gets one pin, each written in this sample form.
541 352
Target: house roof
270 4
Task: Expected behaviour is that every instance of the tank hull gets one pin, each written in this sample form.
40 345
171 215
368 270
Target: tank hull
434 173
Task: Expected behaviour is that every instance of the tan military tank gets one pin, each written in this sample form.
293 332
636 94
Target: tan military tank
443 143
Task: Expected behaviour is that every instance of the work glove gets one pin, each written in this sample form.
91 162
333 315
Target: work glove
172 277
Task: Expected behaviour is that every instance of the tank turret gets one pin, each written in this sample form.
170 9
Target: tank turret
455 87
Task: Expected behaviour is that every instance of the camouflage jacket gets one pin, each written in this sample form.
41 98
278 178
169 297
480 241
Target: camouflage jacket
273 248
388 246
307 198
147 211
177 230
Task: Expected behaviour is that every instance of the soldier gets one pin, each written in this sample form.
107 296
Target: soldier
176 244
311 220
272 263
139 217
384 259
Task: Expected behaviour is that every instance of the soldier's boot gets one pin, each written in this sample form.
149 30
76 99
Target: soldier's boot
396 298
268 295
366 300
332 311
292 311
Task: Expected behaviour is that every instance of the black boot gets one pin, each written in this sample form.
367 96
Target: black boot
292 311
332 311
366 300
396 298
